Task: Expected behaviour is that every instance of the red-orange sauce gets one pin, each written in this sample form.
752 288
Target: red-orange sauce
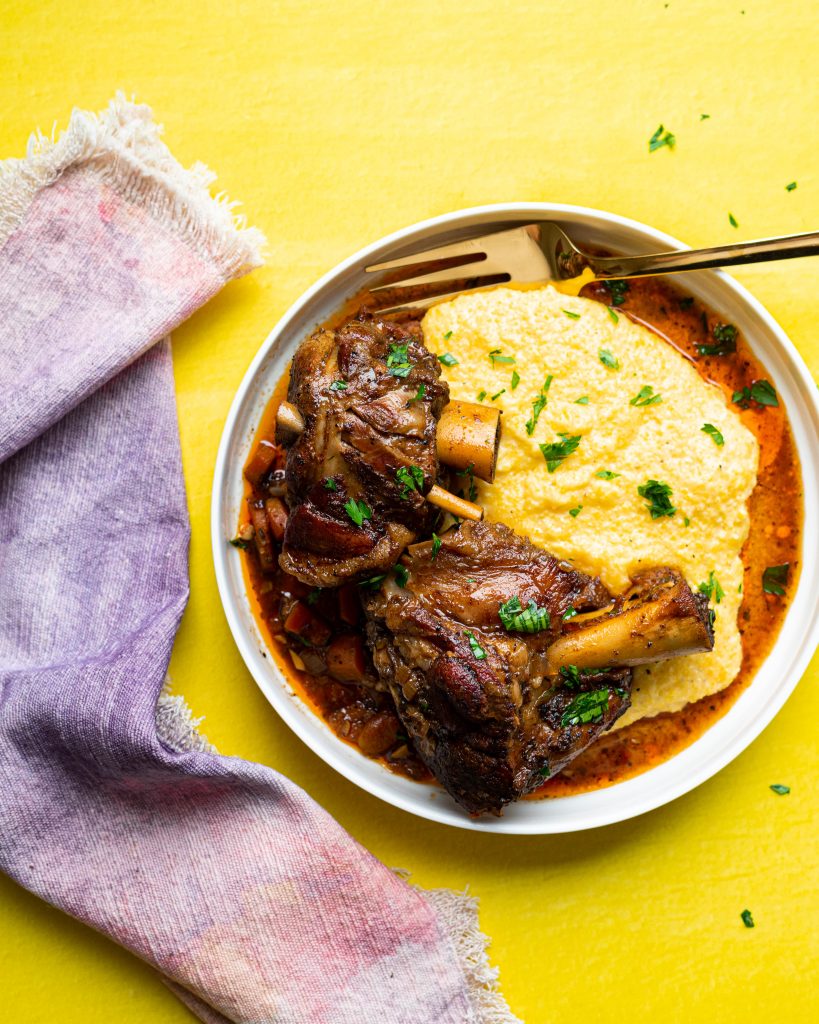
775 510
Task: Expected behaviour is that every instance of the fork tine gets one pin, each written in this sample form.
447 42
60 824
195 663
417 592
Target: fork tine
468 247
481 268
426 303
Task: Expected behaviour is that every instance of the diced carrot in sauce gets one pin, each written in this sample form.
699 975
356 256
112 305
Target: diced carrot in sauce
306 625
276 516
345 659
261 535
263 459
349 606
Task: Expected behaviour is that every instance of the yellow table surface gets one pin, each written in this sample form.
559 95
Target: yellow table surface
336 123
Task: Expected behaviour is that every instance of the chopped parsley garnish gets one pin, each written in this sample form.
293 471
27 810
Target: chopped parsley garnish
586 707
470 473
661 138
373 582
725 341
775 579
330 484
538 406
733 221
398 361
545 771
617 290
448 335
496 357
747 918
481 395
447 358
556 452
612 315
712 589
401 574
575 512
339 385
605 474
475 647
790 186
419 394
761 391
779 789
659 498
313 596
570 674
646 396
518 619
240 543
687 522
498 394
583 400
358 511
571 315
436 546
411 478
713 433
608 359
704 117
515 379
570 613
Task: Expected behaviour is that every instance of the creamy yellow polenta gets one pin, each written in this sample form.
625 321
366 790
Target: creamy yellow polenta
548 333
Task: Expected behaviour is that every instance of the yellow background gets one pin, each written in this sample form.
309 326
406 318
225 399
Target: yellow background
335 123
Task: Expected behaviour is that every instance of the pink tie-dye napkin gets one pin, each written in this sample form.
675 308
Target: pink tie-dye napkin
252 902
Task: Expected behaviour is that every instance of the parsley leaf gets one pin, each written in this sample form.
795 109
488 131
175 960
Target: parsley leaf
239 542
661 138
775 579
330 484
339 385
584 400
448 335
475 647
761 391
498 394
704 117
733 221
411 478
646 396
575 512
481 395
570 613
612 315
436 546
496 357
470 472
538 406
401 574
419 394
747 918
570 674
373 582
606 474
358 511
556 452
515 379
447 359
586 707
779 789
518 619
313 596
659 498
398 360
713 433
571 315
545 771
725 341
617 290
790 186
608 359
711 588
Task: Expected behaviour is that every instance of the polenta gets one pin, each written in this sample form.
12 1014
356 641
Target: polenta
615 407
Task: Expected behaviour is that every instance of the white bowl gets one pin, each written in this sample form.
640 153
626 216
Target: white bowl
727 737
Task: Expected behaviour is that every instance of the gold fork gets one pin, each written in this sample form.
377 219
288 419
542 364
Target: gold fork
543 252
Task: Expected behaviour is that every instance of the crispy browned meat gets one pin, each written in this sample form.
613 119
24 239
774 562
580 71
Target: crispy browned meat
486 708
370 394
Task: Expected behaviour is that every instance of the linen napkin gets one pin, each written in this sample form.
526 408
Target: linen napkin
248 898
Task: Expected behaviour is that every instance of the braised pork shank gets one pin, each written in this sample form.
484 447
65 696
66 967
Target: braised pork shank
370 395
505 663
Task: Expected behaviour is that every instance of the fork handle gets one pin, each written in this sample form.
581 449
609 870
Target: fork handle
760 251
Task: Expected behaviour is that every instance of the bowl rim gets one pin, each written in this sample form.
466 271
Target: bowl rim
730 735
